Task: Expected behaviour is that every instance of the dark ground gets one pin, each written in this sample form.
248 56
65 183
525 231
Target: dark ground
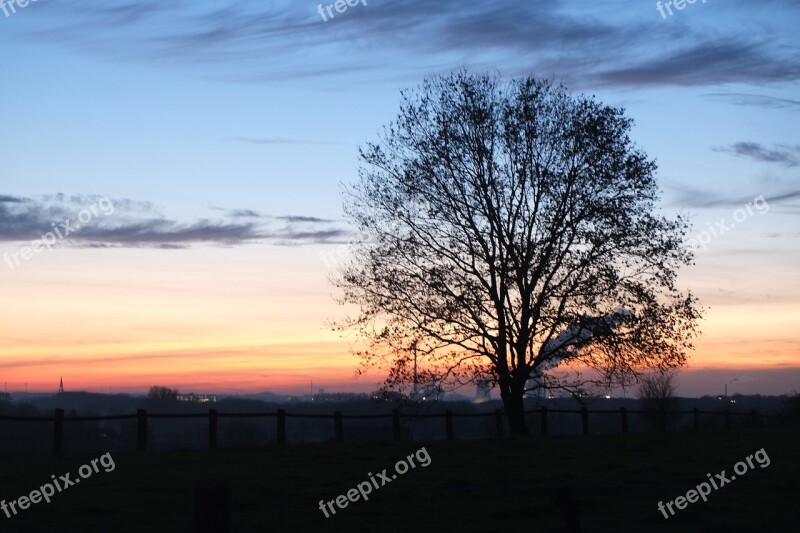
478 486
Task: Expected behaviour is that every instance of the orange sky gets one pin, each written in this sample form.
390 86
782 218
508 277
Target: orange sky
254 318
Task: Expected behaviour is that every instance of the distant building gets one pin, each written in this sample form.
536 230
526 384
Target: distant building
197 398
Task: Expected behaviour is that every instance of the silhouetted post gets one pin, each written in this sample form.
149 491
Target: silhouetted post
696 417
212 509
498 420
585 420
141 430
623 415
281 431
544 420
212 428
396 424
58 432
448 424
727 419
337 426
569 511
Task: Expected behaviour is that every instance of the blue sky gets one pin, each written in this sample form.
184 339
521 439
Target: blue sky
220 124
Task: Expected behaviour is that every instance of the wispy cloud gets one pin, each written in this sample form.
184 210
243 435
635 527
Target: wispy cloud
140 224
690 197
755 100
707 62
576 41
788 156
280 140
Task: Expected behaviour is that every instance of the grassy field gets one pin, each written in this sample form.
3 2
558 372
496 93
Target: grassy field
617 482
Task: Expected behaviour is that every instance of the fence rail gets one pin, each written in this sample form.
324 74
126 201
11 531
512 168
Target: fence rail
142 416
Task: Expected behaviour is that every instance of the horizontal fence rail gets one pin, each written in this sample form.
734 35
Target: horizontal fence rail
142 417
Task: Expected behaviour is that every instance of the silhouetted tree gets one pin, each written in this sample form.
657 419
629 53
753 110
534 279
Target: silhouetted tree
162 394
5 402
657 397
507 229
792 407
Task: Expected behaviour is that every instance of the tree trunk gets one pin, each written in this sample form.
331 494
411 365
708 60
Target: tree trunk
514 405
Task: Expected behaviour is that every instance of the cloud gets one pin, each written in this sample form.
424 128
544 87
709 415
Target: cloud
98 222
295 218
249 213
246 213
788 156
690 197
575 41
280 140
10 199
755 100
707 63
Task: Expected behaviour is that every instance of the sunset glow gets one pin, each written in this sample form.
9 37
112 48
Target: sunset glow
224 160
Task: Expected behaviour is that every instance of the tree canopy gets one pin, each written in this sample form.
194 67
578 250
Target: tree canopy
508 230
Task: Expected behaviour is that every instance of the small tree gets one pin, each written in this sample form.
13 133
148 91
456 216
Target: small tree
5 402
792 405
657 397
162 394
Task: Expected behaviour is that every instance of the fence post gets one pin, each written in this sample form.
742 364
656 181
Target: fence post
585 420
281 430
623 414
544 420
696 417
212 428
337 426
448 424
58 432
727 419
498 420
141 430
396 424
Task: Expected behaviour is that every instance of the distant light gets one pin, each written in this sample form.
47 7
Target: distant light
608 397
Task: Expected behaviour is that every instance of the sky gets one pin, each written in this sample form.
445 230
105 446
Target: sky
198 150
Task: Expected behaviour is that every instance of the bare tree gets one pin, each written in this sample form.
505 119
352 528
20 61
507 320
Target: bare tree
657 397
792 407
508 230
162 394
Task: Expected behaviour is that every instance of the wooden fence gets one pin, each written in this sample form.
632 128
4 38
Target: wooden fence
142 417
